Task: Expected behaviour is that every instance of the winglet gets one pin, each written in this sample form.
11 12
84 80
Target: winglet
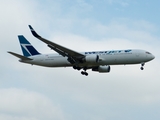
34 32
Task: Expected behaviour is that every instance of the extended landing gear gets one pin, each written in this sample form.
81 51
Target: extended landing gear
84 73
76 68
79 68
142 68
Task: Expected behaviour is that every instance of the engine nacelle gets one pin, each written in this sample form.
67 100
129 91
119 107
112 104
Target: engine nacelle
102 69
92 58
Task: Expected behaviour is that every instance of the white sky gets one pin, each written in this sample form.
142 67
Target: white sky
37 93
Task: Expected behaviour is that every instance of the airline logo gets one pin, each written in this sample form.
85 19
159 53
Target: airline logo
27 48
109 52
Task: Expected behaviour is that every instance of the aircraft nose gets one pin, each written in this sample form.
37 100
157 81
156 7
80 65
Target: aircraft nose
152 56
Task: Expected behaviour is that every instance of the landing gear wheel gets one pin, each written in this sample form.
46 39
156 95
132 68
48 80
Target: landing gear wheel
76 68
142 68
84 73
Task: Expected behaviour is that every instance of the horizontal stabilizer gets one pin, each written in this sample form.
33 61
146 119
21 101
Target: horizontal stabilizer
20 56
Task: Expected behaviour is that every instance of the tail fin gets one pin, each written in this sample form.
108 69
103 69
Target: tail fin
27 48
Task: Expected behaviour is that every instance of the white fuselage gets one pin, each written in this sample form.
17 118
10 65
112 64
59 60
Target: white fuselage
112 57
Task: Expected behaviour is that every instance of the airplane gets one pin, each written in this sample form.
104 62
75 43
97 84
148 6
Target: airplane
98 61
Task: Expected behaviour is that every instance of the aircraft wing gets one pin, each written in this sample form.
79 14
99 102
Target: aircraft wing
72 55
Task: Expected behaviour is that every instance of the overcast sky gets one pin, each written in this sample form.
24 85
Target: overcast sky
38 93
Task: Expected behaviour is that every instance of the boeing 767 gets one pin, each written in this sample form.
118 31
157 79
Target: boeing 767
99 61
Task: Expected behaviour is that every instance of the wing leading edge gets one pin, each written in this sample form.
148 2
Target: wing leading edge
73 56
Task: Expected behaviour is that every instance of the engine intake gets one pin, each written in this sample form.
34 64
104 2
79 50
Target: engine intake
102 69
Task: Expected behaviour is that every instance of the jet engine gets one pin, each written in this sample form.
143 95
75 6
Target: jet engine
91 58
102 69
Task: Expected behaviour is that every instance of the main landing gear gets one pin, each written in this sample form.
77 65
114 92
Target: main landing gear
79 68
84 73
142 68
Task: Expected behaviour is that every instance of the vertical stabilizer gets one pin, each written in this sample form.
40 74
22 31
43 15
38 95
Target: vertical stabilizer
27 48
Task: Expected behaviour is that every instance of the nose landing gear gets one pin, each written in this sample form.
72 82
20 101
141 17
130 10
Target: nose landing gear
142 66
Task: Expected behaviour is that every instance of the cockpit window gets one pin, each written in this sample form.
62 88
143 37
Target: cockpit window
148 52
